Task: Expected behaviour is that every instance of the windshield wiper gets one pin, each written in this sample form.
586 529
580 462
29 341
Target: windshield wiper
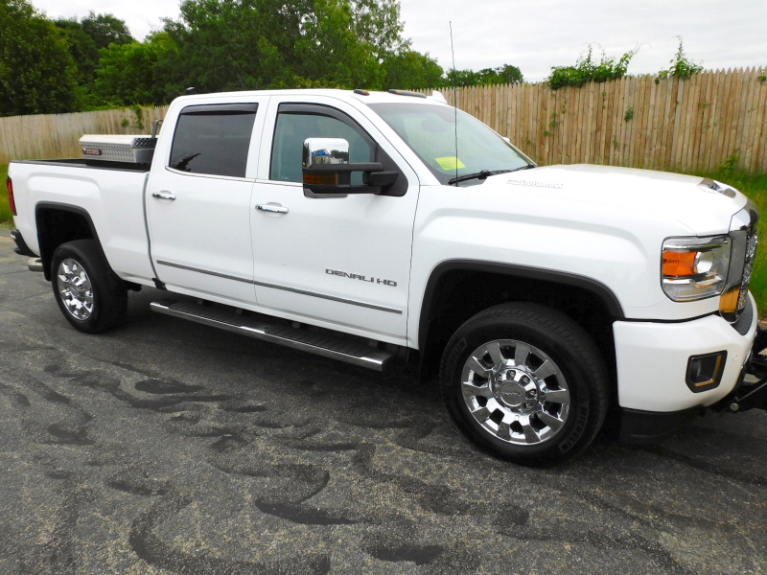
477 175
482 175
527 167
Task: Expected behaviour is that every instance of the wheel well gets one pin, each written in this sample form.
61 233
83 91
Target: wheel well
459 294
57 225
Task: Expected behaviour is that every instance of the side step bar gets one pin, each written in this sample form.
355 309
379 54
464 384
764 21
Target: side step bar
318 343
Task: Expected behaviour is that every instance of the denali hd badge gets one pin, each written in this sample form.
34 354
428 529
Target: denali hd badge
361 278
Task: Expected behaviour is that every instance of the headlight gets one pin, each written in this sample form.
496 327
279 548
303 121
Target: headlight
695 268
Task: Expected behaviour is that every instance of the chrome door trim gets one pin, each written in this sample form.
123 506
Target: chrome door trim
283 288
329 297
211 176
206 272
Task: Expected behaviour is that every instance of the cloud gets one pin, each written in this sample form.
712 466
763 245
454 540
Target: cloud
535 35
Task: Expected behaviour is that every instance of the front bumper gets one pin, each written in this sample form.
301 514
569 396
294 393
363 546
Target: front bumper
652 361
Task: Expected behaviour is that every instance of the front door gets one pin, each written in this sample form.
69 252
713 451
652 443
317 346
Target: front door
341 262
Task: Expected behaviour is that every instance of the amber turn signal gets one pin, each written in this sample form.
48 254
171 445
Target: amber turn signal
321 179
679 264
729 301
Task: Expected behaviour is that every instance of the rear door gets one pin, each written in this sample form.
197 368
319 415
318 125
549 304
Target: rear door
341 262
198 201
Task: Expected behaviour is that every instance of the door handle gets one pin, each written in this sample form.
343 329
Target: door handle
272 208
163 196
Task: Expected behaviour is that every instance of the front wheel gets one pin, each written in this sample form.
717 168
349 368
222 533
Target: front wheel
525 382
91 297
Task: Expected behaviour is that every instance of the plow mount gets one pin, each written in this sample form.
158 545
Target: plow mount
752 391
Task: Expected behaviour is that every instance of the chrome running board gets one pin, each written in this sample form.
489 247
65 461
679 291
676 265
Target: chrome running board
331 346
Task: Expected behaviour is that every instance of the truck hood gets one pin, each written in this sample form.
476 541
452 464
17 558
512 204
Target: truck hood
706 207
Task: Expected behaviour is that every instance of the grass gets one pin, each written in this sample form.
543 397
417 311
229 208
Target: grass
6 218
753 185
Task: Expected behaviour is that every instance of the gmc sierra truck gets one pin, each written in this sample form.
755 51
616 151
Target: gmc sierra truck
385 229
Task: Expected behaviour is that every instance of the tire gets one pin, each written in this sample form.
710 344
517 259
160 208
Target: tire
90 295
526 383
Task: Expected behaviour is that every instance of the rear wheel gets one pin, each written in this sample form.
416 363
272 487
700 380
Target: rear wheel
91 297
525 382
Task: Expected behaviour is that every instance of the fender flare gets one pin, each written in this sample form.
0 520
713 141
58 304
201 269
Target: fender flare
46 254
595 287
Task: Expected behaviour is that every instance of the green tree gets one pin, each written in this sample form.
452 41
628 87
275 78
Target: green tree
220 45
105 29
378 23
82 48
86 37
331 52
131 74
409 69
37 74
506 74
249 44
234 44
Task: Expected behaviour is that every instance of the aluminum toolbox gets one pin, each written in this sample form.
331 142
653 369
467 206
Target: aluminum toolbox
133 149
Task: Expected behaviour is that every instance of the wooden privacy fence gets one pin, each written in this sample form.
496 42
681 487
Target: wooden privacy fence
56 135
666 124
689 125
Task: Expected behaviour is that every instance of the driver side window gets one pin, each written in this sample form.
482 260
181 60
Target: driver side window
293 128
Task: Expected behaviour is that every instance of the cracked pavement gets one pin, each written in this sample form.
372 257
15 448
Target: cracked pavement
168 447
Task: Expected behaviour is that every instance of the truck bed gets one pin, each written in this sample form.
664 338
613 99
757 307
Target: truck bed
110 195
88 163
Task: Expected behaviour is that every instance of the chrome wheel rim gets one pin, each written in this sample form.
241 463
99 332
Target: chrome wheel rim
515 392
75 289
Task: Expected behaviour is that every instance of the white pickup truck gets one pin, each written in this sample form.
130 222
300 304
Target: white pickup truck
385 229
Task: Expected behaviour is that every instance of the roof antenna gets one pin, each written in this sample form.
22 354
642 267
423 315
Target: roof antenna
455 101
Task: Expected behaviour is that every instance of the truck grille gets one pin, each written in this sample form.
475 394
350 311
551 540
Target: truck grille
751 244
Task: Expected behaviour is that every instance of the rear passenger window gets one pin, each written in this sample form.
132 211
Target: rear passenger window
213 139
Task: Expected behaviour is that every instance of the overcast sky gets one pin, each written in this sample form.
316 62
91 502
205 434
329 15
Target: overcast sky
535 34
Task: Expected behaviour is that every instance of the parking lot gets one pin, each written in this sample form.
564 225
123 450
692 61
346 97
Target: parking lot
170 447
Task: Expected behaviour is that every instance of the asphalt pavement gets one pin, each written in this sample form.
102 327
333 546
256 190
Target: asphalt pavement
165 447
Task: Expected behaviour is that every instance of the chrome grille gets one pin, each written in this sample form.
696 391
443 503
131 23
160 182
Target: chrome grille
744 244
751 244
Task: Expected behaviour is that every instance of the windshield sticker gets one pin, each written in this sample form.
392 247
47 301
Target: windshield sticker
450 163
535 184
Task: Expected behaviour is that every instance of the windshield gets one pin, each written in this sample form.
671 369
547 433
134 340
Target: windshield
430 131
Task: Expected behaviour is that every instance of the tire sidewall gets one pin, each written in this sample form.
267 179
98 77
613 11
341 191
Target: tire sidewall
99 284
577 432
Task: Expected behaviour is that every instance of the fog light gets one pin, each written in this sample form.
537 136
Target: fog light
704 372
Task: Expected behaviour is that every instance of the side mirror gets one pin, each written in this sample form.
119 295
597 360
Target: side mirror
327 171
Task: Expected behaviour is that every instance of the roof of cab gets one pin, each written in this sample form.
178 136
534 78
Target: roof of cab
369 97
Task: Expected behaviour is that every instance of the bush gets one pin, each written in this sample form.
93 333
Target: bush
681 66
587 70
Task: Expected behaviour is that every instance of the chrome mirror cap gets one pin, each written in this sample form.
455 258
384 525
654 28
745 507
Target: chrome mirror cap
319 151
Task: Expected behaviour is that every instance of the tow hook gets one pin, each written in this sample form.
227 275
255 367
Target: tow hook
752 391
